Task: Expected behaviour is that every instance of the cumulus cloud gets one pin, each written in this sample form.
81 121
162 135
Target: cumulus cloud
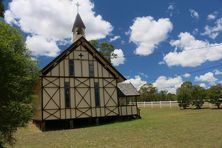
53 20
215 30
136 81
39 45
169 84
148 33
118 57
203 85
194 14
217 72
114 38
211 17
207 77
190 52
186 75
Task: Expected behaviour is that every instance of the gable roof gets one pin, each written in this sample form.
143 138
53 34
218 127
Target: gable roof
127 89
82 41
78 23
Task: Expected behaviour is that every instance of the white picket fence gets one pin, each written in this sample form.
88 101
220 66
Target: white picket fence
170 104
159 104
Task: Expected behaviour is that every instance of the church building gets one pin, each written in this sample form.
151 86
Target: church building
80 83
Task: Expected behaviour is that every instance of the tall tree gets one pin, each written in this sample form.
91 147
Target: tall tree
184 94
148 92
1 9
214 95
198 96
18 73
106 49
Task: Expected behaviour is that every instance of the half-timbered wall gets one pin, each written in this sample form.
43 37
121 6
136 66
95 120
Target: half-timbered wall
82 91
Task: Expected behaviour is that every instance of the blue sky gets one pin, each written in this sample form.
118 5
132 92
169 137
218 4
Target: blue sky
160 42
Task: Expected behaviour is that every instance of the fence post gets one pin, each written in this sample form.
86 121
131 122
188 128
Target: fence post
152 104
144 104
160 104
170 104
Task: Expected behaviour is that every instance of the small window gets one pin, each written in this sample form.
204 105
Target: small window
71 67
91 69
97 96
67 94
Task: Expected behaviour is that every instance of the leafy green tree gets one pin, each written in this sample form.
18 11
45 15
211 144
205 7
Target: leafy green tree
171 97
184 94
18 73
214 95
198 96
161 95
106 49
1 9
147 92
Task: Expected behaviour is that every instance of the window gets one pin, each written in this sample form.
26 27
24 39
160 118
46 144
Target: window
67 94
71 67
91 69
97 96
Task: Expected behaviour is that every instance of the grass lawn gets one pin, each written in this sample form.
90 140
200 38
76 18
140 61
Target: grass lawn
164 127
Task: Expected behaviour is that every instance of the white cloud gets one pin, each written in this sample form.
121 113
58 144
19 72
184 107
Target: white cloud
214 31
170 9
211 17
39 45
169 84
207 77
114 38
143 75
217 72
190 52
119 59
195 31
137 82
148 33
53 20
186 75
203 85
194 14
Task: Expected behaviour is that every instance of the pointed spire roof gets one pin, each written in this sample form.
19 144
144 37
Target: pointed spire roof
78 23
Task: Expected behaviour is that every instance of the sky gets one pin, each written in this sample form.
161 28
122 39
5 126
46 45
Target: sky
163 43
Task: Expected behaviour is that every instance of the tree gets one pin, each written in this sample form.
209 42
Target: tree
18 73
147 92
161 95
1 9
214 95
171 97
106 49
184 94
198 95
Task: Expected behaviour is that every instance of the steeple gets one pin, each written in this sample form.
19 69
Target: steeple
78 28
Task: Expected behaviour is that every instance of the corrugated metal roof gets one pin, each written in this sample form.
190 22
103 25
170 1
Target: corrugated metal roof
127 89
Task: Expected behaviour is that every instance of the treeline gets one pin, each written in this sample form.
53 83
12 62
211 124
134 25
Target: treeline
187 95
150 93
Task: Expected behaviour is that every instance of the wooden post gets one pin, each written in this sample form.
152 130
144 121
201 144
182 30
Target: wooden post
170 104
71 124
160 104
144 104
152 104
42 125
97 121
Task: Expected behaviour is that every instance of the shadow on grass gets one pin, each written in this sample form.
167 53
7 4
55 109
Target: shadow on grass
53 125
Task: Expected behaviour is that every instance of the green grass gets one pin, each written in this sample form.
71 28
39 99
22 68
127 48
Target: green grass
158 128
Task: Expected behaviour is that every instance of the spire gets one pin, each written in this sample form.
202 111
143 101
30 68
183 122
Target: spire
78 28
78 23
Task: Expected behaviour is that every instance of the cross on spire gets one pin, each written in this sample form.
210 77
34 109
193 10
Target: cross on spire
77 6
